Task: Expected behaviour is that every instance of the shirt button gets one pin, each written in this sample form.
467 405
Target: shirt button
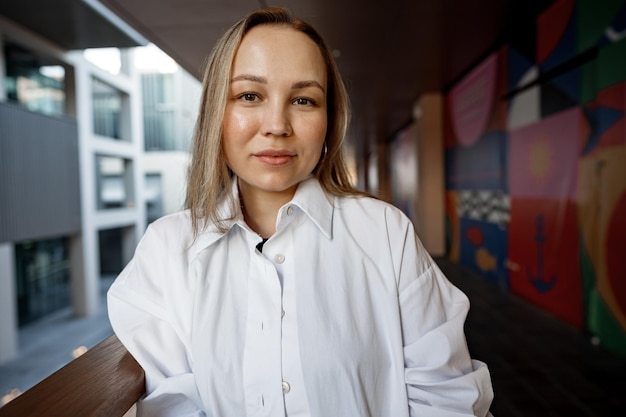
289 211
286 387
282 313
279 258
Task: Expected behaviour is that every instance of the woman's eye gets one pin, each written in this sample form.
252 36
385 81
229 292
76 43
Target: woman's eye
248 97
302 101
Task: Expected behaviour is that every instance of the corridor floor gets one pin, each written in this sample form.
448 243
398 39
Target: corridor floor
539 366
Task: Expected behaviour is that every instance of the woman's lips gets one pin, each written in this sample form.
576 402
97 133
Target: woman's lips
275 158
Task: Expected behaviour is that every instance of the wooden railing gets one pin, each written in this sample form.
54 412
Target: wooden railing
104 382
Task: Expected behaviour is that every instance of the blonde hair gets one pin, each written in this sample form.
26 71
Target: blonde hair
209 179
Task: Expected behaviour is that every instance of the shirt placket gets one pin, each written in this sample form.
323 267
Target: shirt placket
282 252
262 350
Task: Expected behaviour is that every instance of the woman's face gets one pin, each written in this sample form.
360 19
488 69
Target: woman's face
275 119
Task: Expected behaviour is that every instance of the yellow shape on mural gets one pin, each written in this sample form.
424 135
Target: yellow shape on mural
601 183
485 260
539 159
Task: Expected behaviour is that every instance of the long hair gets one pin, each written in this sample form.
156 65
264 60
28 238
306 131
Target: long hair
209 179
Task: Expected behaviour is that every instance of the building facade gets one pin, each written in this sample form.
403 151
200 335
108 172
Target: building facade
71 140
170 107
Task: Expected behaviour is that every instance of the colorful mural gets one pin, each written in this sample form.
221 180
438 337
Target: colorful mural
536 167
476 152
543 235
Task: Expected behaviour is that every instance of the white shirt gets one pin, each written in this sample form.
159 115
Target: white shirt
343 314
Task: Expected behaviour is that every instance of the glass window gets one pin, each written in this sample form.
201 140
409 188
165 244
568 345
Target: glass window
114 182
43 278
159 112
110 111
111 256
154 197
35 81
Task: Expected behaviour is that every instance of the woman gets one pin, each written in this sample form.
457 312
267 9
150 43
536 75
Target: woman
282 291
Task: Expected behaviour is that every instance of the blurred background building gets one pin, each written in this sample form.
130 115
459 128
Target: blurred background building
170 107
169 99
82 170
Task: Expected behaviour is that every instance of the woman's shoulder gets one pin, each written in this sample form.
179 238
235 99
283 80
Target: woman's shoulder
365 206
178 221
366 202
172 228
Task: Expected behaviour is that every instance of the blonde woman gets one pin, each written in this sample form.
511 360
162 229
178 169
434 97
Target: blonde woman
282 291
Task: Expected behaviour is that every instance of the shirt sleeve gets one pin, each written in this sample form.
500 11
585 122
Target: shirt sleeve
137 303
441 378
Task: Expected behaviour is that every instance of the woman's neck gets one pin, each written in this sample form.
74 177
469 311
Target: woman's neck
260 208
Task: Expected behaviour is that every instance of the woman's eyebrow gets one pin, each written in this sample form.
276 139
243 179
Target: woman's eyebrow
249 77
305 84
262 80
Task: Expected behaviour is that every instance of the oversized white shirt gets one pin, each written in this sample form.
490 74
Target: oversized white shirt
343 314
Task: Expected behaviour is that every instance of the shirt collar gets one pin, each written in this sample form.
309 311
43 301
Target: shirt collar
228 210
309 197
316 204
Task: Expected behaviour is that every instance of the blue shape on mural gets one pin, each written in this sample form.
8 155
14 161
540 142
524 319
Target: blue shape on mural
600 119
483 249
481 166
518 66
607 117
538 280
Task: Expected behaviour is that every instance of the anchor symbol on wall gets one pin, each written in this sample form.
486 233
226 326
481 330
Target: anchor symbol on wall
539 281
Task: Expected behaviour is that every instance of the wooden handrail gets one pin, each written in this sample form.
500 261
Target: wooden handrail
104 382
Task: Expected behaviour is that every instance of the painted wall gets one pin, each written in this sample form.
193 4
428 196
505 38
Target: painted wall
535 139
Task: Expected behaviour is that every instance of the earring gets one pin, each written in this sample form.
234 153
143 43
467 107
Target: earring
323 153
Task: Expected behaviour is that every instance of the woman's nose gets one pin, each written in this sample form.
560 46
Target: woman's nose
276 121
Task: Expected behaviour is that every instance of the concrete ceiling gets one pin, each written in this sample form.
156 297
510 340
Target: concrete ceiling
72 24
389 52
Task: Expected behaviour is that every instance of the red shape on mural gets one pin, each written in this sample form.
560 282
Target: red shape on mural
614 97
551 25
543 238
475 235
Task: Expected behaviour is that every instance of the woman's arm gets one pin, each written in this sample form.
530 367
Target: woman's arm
440 376
140 316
